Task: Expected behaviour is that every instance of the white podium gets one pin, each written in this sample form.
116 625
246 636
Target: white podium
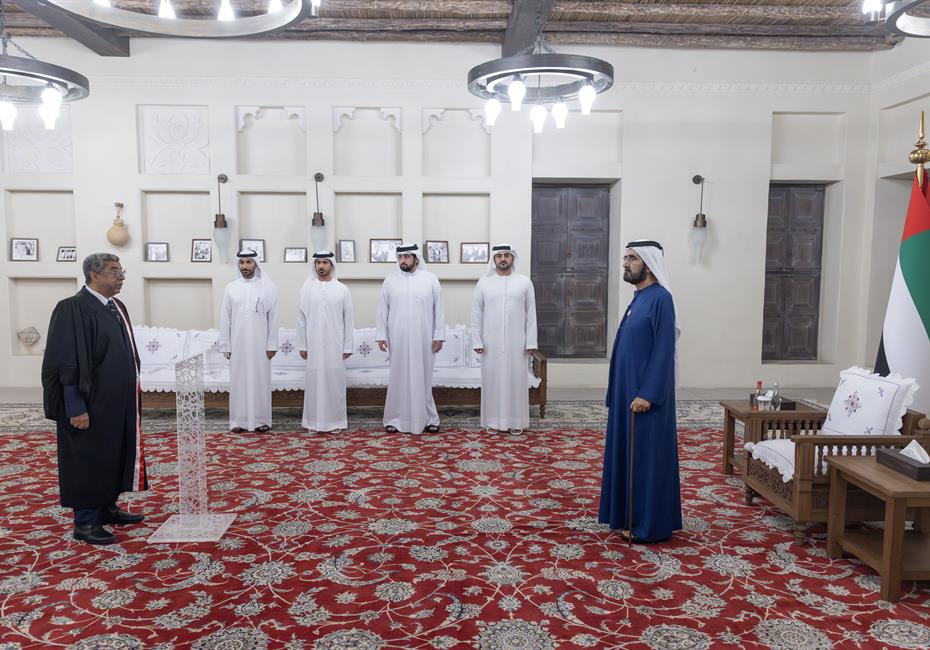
195 522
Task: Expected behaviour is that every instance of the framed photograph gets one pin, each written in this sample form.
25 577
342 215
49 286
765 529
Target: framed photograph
257 245
345 252
437 252
295 255
66 254
201 250
383 250
24 250
156 251
475 252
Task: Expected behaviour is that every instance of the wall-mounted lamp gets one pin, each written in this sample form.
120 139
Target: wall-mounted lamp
220 225
318 224
699 225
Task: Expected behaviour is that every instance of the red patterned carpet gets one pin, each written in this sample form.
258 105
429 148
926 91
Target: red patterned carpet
458 540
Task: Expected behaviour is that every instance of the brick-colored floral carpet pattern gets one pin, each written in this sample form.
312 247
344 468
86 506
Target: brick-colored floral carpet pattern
366 540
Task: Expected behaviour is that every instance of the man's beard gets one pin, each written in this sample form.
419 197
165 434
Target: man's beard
407 268
322 272
503 266
247 274
634 279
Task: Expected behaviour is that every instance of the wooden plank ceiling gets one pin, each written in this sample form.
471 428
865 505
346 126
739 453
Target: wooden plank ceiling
826 25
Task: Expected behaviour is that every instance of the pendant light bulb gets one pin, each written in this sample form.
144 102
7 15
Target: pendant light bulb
48 116
102 3
51 97
315 8
538 115
516 91
275 6
7 114
559 113
165 10
225 12
492 108
586 97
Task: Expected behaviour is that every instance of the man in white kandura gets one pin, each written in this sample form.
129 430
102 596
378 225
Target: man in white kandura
411 328
324 338
503 321
249 338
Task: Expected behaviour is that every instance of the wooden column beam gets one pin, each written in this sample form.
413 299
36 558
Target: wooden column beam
94 37
521 28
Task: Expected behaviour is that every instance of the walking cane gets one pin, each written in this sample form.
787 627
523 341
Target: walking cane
629 510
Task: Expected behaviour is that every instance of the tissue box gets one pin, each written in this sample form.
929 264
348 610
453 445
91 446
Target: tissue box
900 463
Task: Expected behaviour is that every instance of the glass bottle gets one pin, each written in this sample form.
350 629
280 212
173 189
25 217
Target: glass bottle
754 402
776 398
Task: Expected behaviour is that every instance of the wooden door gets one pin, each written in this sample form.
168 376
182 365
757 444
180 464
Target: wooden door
570 240
794 251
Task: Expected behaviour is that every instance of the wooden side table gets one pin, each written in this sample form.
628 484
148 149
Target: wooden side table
804 419
894 553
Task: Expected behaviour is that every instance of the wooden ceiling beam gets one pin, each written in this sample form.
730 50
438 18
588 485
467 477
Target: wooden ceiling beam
735 29
588 10
399 8
401 25
585 9
692 41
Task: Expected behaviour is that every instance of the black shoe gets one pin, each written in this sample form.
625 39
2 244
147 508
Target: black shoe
94 534
114 515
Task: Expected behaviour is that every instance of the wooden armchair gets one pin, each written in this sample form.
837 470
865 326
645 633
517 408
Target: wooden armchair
805 498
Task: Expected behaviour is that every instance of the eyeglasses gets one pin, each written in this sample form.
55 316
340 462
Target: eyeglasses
630 259
116 273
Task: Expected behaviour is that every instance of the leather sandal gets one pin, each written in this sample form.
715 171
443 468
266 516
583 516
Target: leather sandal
390 429
262 429
432 428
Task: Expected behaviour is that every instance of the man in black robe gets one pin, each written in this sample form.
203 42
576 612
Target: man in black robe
90 382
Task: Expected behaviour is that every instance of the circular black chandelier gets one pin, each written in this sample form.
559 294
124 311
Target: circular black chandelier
27 80
539 79
166 22
539 76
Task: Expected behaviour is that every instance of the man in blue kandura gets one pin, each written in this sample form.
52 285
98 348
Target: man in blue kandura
643 373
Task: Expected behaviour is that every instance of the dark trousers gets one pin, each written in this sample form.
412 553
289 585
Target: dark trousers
84 517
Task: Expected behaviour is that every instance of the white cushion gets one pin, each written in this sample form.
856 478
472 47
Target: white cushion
473 358
200 341
777 454
452 354
868 404
288 357
158 345
366 353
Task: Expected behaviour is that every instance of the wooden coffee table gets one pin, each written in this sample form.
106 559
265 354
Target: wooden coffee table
894 553
755 422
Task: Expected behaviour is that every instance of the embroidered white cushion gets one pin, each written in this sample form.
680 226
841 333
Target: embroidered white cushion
777 454
452 354
367 354
867 404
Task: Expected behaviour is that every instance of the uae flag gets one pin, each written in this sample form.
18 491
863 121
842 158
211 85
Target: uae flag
905 344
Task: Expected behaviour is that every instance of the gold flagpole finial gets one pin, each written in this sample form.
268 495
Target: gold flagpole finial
921 154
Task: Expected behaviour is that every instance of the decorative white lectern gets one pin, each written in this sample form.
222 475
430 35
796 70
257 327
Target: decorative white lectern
195 523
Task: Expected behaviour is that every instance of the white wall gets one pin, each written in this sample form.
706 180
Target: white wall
168 119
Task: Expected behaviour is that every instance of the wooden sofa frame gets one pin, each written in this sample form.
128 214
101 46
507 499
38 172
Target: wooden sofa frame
806 497
374 396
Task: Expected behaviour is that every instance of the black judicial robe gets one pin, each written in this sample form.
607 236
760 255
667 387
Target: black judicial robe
89 347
